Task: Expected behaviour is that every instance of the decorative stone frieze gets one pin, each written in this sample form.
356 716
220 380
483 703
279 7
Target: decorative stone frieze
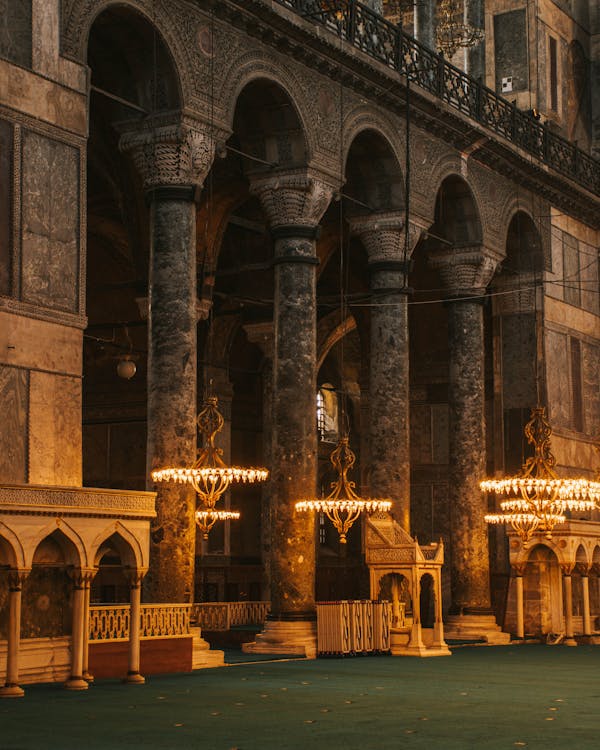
170 153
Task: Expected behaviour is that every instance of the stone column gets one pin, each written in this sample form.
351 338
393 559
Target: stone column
135 599
173 158
584 571
261 334
383 236
86 628
294 205
424 13
465 273
568 604
11 687
519 572
80 579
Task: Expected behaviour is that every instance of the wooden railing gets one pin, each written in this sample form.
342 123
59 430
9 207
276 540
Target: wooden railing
110 622
225 615
348 627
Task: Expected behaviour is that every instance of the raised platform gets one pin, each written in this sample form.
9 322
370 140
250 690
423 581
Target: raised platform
283 637
474 628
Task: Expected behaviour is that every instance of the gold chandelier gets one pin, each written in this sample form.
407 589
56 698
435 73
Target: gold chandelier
206 519
343 506
537 498
452 33
209 475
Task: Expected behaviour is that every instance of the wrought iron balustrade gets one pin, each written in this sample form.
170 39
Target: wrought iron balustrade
387 43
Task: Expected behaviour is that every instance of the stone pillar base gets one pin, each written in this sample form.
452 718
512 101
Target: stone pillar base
76 683
89 678
134 678
202 654
296 638
475 627
400 646
569 642
11 691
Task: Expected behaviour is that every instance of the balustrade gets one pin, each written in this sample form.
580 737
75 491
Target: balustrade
111 622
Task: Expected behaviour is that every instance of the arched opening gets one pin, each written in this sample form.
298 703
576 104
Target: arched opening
427 601
129 62
110 584
542 593
374 180
48 590
395 588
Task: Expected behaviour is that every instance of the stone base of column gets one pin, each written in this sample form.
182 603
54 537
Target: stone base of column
569 642
134 678
11 691
89 678
76 683
293 637
203 656
475 627
401 644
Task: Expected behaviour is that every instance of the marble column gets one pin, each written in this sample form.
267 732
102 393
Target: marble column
383 236
261 334
11 688
86 628
585 591
567 569
294 205
81 579
135 611
173 158
519 573
425 22
465 273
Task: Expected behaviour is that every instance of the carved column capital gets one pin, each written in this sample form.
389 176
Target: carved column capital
170 151
293 199
465 271
384 236
263 335
567 569
519 569
16 577
82 576
134 576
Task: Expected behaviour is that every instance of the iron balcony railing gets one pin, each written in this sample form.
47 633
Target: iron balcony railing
387 43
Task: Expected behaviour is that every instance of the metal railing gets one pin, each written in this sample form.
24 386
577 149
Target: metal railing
388 44
226 615
110 622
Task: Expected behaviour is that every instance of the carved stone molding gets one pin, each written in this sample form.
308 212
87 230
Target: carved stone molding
384 235
80 501
466 270
170 153
294 198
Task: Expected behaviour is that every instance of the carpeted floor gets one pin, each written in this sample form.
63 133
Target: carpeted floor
537 697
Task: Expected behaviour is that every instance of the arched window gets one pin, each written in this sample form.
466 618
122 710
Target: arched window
327 414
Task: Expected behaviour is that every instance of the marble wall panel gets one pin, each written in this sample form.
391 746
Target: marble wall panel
558 379
15 31
6 148
55 430
13 430
40 345
590 370
50 223
518 361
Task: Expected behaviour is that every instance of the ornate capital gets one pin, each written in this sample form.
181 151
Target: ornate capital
567 568
384 236
134 576
294 198
16 578
82 577
169 152
465 271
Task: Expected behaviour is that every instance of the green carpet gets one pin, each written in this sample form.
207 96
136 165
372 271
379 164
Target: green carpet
537 697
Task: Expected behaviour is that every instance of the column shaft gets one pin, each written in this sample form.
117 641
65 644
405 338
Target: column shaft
587 623
389 394
475 58
11 687
294 446
172 388
86 633
76 681
424 13
133 671
469 556
568 590
520 613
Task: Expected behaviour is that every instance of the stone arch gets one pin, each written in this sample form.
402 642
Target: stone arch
524 247
397 588
542 586
374 180
78 17
331 330
66 538
11 549
437 165
127 545
427 599
457 213
581 556
250 68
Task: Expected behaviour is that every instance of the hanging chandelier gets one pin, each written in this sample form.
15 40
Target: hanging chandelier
537 498
206 519
209 475
343 506
452 33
